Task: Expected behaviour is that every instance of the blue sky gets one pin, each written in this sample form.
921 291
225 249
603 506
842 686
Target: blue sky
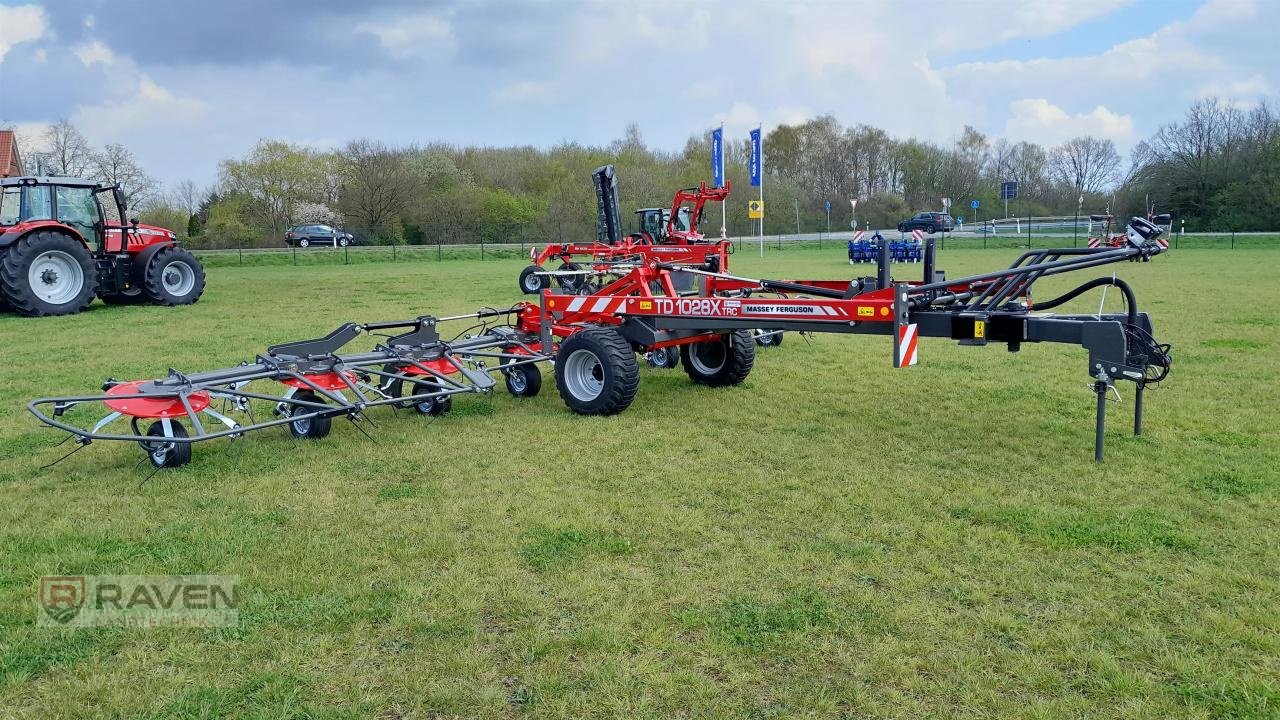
187 83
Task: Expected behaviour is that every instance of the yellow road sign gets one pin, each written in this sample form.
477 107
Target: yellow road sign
755 209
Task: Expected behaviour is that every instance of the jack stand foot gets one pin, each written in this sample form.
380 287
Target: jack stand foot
1100 389
1137 409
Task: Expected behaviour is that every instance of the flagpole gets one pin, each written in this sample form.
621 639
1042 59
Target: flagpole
761 131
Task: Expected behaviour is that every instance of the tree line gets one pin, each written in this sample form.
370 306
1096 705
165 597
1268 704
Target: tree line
1218 169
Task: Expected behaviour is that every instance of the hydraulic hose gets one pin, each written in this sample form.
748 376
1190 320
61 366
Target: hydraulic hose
1130 301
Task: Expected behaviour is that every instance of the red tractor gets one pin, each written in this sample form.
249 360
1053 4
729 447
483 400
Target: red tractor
60 246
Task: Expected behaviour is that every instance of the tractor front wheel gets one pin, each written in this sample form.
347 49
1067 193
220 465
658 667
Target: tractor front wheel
48 273
530 282
174 277
596 372
727 360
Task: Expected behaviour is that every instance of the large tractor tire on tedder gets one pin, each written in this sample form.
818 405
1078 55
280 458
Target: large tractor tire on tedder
48 273
173 277
596 372
724 361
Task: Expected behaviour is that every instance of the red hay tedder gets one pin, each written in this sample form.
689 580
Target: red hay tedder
592 340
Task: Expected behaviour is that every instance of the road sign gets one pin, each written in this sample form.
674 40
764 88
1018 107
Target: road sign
828 206
975 204
1009 190
755 209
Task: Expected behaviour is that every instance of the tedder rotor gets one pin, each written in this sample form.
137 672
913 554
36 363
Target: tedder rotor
592 341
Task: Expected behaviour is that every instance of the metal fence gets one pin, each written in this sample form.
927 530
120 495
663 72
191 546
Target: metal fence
1028 237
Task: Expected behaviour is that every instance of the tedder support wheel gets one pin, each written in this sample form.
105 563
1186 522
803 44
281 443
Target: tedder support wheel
173 277
596 372
435 406
767 338
48 273
530 282
726 360
571 284
523 380
312 428
666 358
164 453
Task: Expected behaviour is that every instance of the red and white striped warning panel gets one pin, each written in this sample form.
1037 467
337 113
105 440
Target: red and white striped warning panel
907 337
918 235
1163 243
600 304
857 236
1094 242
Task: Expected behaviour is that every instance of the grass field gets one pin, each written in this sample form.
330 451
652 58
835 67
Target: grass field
832 539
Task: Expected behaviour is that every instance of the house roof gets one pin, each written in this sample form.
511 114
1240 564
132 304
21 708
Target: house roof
9 154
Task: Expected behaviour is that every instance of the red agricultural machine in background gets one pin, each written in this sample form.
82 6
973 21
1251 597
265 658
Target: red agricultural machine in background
666 234
593 340
1103 237
60 246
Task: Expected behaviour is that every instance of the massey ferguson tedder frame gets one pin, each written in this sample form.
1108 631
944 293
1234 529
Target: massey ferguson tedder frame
592 341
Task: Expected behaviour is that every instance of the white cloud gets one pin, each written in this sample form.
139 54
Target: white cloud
19 24
1244 90
1040 121
406 36
94 52
151 107
523 91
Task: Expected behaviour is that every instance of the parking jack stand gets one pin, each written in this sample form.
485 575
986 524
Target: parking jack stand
1100 389
1137 408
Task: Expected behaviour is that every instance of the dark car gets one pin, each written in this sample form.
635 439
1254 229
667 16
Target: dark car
308 235
929 222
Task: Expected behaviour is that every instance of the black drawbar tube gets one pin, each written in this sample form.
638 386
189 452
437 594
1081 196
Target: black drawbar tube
1129 299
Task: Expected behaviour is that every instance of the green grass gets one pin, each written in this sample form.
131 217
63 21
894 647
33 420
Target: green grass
833 538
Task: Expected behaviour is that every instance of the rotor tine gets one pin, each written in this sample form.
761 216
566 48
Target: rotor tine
362 432
79 447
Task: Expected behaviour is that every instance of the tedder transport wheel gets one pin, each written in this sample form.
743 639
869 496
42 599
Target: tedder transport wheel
523 380
724 361
571 284
312 428
530 282
164 453
666 358
173 277
435 406
48 273
596 372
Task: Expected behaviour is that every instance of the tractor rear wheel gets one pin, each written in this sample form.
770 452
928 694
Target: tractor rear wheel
726 360
166 453
596 372
48 273
530 282
173 277
312 428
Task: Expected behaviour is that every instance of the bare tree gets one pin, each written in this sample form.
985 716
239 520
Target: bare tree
188 196
1085 164
66 152
115 166
379 185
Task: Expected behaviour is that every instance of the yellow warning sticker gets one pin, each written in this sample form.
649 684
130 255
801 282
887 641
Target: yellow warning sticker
979 328
866 312
646 305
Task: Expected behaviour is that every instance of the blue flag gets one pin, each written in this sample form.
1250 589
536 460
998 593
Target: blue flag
755 157
717 156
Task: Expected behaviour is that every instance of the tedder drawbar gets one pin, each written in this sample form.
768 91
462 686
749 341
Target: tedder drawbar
592 341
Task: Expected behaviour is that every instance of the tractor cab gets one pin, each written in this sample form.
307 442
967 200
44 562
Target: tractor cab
652 223
95 211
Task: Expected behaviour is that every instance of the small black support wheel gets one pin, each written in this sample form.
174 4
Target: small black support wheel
523 380
530 282
173 277
724 361
312 428
666 358
166 453
436 406
597 372
48 273
571 284
769 338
